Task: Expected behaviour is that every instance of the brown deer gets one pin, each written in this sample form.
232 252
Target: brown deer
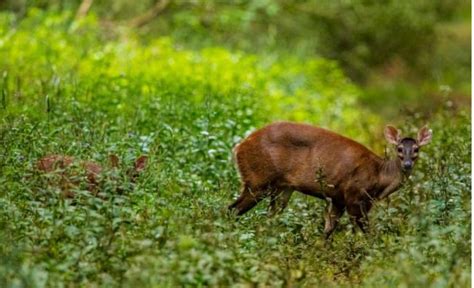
284 157
64 165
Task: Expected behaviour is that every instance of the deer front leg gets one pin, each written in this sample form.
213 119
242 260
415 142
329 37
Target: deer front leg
389 190
331 217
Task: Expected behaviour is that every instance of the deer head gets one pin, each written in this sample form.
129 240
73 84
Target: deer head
407 148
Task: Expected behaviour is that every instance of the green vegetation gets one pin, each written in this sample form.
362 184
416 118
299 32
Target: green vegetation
75 88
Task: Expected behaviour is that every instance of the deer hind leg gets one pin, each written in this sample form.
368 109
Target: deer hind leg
247 200
332 215
278 201
243 192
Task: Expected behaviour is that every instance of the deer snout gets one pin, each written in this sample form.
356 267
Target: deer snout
407 164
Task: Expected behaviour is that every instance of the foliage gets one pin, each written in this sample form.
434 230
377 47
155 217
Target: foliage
74 91
361 35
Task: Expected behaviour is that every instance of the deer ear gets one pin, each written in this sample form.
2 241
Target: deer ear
424 136
392 135
141 163
114 161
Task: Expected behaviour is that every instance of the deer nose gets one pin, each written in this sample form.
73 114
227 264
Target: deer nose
407 165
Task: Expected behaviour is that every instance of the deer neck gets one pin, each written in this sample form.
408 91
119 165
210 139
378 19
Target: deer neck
391 170
390 176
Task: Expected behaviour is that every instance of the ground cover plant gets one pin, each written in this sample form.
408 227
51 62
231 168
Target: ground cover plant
65 88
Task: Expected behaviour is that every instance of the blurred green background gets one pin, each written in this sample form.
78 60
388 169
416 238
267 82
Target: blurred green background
401 51
185 81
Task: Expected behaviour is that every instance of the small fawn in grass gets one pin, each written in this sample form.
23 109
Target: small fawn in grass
284 157
69 168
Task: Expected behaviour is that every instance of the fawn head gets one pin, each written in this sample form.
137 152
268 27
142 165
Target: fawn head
138 167
133 172
407 148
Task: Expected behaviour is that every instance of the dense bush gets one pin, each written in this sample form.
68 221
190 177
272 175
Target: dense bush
66 89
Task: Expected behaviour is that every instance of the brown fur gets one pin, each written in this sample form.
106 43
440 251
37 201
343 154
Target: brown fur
62 164
284 157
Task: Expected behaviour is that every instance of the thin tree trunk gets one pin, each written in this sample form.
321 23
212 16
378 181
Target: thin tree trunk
149 15
84 8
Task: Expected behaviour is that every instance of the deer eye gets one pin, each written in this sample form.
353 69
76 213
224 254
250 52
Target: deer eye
416 150
400 149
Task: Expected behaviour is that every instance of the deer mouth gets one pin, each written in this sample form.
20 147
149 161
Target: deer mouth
407 165
407 171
